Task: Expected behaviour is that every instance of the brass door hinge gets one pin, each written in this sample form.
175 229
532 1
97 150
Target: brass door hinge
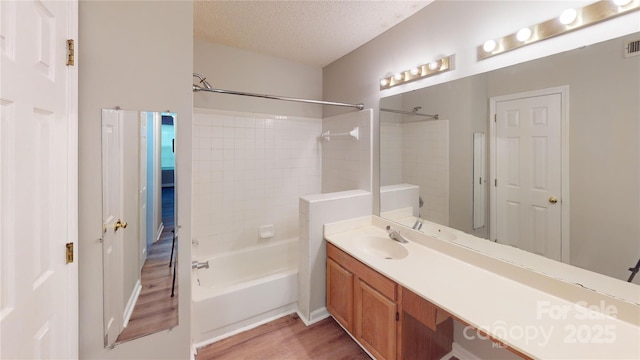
69 247
71 52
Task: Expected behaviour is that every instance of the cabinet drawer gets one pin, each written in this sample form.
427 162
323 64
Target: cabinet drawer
422 310
377 281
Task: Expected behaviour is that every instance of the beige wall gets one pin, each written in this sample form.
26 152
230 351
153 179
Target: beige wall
136 55
241 70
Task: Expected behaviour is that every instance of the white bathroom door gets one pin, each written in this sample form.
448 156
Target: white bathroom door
528 174
113 235
38 181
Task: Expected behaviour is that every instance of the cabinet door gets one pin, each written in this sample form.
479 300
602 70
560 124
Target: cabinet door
340 294
375 321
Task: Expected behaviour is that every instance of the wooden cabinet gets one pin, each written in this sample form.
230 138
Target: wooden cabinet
340 294
363 302
375 321
388 321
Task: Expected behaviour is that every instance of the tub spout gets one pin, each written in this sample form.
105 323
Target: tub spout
200 264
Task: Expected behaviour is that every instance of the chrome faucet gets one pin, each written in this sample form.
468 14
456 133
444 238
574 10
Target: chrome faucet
395 235
199 264
417 225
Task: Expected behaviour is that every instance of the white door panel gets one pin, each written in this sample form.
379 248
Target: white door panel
38 154
528 174
112 208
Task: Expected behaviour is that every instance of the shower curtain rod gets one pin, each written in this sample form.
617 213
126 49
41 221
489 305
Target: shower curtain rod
197 88
436 116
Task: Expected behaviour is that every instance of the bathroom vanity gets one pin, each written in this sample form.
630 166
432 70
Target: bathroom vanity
399 301
389 321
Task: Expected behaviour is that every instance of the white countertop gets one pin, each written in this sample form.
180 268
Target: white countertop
490 296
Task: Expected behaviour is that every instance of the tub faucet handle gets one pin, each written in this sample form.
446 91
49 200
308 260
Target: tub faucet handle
199 264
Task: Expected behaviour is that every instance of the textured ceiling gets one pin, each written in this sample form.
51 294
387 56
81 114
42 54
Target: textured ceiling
309 32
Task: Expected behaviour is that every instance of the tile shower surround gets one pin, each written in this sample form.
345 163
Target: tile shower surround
250 170
418 153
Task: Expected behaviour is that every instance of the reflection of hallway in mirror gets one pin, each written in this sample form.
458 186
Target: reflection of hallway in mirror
155 309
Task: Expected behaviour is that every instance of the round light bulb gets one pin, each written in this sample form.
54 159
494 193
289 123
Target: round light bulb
384 82
523 34
398 76
414 71
489 45
568 16
434 65
621 2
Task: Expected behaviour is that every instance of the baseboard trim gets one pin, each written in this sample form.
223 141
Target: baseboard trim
315 316
460 353
131 304
159 232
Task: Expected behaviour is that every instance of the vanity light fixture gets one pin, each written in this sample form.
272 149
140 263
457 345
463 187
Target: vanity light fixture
569 20
523 34
489 45
568 16
420 72
434 65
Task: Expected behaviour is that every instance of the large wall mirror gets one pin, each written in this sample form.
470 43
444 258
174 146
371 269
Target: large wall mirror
138 238
429 167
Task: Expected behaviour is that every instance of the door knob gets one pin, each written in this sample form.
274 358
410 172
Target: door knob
553 200
119 224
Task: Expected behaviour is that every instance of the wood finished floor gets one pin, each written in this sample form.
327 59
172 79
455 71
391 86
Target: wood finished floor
287 338
155 309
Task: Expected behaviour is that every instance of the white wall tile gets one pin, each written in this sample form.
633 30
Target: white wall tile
250 170
346 162
418 153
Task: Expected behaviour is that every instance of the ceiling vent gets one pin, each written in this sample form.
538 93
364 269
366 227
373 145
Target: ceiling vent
632 49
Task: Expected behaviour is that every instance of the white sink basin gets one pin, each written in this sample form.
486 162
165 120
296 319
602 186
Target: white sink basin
382 247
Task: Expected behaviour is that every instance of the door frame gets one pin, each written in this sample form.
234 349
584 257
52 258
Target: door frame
564 172
73 309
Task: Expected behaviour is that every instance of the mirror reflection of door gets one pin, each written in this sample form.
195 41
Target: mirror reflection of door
528 173
139 277
112 208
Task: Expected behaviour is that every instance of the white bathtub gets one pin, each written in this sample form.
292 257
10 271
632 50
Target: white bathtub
243 289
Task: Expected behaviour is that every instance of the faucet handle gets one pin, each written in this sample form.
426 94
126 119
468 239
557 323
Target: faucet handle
392 232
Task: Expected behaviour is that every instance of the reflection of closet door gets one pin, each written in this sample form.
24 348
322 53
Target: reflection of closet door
112 209
528 174
130 167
